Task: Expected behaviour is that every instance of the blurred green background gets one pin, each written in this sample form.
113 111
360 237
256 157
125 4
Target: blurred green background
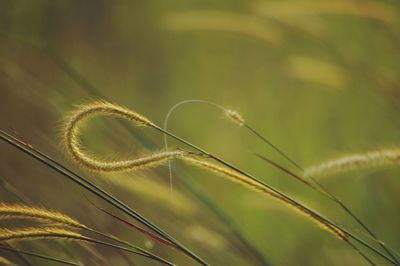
318 78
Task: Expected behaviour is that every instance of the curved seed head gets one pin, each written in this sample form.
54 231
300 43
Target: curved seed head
73 146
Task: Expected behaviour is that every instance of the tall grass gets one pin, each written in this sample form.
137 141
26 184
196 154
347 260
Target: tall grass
53 228
389 156
92 90
44 159
245 178
261 26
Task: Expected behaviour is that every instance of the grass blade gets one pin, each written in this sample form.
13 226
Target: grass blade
95 190
37 255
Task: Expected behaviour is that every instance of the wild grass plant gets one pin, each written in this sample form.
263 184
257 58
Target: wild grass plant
103 108
198 157
312 79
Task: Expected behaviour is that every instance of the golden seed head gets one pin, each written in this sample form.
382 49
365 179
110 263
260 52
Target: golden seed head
249 183
19 211
38 233
78 153
376 158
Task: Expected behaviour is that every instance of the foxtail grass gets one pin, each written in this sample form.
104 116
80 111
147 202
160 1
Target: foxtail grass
319 188
56 233
235 117
303 208
243 180
27 212
39 233
371 159
238 119
87 86
102 108
19 211
97 191
72 143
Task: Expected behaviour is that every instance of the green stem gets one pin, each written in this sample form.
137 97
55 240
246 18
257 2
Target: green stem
225 219
133 251
116 239
37 255
221 161
95 190
321 188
